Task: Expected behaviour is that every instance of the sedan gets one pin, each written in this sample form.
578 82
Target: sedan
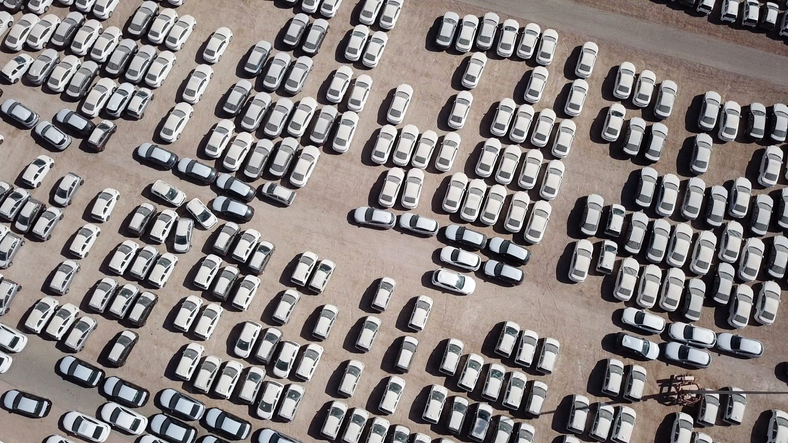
460 109
20 31
298 74
771 163
467 34
355 44
739 346
528 39
302 116
639 347
692 335
217 44
284 155
543 128
343 137
257 57
85 426
587 60
159 69
474 70
730 115
376 218
123 419
317 33
614 122
455 192
168 193
493 205
537 222
418 224
447 30
172 429
687 356
411 191
581 261
578 92
41 68
399 104
547 47
52 136
339 84
503 117
453 282
666 98
84 239
295 30
61 74
643 321
197 83
360 93
176 122
375 47
26 404
97 97
552 180
19 113
644 89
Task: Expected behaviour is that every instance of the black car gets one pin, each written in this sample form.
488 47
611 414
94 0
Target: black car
74 122
509 251
157 155
232 209
236 188
79 371
227 424
124 392
503 272
14 5
101 134
199 172
120 347
26 404
141 309
19 113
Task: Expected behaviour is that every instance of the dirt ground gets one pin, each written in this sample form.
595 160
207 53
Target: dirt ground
583 317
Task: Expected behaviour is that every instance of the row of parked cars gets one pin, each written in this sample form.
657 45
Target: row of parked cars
728 115
753 13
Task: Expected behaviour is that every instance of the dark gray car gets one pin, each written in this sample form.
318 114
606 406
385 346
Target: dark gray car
81 81
197 171
74 122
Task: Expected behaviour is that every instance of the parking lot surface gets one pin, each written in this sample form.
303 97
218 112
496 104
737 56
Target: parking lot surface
583 317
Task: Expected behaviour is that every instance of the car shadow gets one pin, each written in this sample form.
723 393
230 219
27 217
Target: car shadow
571 62
596 378
564 263
349 343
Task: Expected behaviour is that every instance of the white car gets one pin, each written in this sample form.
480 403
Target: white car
220 137
740 307
474 70
666 98
423 149
503 117
739 198
587 60
176 122
42 31
390 14
374 51
543 128
508 165
35 172
626 279
102 9
339 84
238 150
123 418
106 43
454 282
581 261
730 115
668 195
450 146
467 33
360 93
207 321
355 44
85 37
309 361
578 92
488 158
552 180
168 193
644 89
768 303
530 169
771 163
460 110
62 73
42 312
187 313
97 97
197 83
217 44
140 64
304 166
333 421
474 197
84 239
565 136
537 222
528 40
228 378
391 186
411 191
292 399
547 47
298 74
162 25
399 104
455 192
343 137
751 259
614 122
322 274
104 204
162 270
64 317
325 121
277 68
420 314
17 36
515 216
159 69
85 427
284 309
493 205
